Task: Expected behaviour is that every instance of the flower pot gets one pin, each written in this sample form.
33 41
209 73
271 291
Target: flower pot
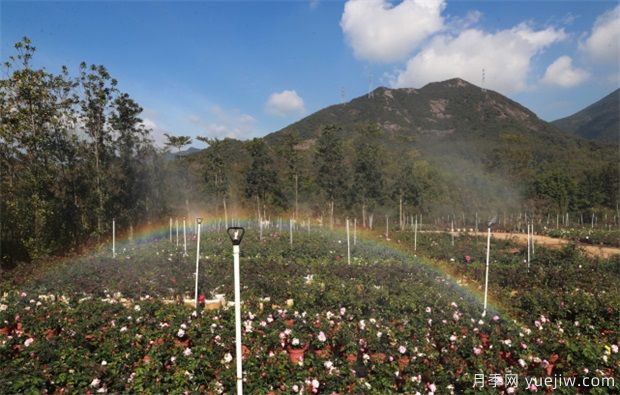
289 323
296 355
403 362
378 357
351 358
323 353
213 304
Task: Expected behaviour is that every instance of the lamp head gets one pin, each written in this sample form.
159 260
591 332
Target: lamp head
236 234
198 220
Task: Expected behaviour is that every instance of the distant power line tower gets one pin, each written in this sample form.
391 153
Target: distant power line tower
370 92
483 80
342 95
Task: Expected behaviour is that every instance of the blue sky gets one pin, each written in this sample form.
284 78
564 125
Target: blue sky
245 69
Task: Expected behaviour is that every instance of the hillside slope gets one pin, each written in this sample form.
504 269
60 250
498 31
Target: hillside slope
599 121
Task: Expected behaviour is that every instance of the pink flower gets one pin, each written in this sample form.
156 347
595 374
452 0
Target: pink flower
533 388
496 318
322 337
428 310
402 349
477 350
28 342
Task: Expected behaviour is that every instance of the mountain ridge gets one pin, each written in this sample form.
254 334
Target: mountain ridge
600 121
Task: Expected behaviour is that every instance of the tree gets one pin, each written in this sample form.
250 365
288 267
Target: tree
557 187
215 171
329 164
37 112
131 145
261 181
368 182
99 89
177 141
292 161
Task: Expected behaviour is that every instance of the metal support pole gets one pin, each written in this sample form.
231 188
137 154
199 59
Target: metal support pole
348 244
184 239
197 264
113 238
486 276
415 235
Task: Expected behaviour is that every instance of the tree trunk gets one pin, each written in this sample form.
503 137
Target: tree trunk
364 214
400 217
225 212
296 197
331 214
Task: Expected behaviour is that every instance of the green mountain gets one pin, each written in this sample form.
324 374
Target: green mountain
599 121
467 148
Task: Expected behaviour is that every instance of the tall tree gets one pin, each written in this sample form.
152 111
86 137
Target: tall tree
98 92
261 181
131 145
331 171
215 170
36 112
292 160
368 184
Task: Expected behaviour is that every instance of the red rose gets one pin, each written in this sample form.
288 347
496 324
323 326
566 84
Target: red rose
338 257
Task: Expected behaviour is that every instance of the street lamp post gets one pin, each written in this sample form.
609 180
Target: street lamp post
236 235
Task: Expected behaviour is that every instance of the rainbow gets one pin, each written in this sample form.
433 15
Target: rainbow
162 230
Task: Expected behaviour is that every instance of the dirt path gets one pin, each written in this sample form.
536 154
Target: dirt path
597 251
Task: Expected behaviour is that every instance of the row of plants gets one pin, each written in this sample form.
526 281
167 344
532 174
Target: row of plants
311 323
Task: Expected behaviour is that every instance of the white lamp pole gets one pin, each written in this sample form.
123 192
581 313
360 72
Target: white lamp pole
354 231
199 223
290 230
236 235
171 229
177 225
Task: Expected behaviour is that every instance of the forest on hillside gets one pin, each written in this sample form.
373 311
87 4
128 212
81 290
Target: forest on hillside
75 154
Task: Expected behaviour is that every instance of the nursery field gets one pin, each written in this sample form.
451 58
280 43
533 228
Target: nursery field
390 322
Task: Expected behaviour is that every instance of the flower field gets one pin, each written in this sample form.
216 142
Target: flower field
387 323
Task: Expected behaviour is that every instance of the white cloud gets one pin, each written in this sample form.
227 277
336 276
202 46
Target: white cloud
379 31
505 55
226 123
562 73
465 22
157 132
603 43
285 103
